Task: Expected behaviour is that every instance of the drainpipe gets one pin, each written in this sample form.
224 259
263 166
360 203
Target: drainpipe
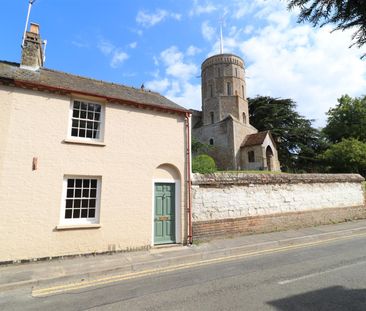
189 182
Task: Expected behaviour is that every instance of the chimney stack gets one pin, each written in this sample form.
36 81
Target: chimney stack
32 53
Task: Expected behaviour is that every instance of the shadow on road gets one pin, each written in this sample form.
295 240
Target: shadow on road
335 298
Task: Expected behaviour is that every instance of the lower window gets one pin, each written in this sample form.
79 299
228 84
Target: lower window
81 200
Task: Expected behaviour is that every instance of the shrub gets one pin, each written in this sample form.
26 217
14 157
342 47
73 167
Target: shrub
203 163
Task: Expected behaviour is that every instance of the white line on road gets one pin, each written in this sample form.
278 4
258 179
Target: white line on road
308 276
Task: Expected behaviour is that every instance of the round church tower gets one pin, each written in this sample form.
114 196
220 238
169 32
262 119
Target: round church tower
223 89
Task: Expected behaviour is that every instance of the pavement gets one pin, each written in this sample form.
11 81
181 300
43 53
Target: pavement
84 268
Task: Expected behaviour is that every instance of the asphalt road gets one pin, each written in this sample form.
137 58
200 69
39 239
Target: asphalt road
330 276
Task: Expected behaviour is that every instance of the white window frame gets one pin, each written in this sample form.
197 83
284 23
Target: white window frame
102 122
80 221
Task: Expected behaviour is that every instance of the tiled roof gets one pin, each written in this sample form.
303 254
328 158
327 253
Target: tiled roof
255 139
60 80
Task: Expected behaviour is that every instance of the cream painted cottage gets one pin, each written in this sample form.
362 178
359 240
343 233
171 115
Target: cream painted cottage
87 166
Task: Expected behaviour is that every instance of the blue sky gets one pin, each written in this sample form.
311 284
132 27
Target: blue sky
162 44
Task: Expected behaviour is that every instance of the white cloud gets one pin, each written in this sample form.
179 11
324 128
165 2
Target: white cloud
188 96
133 45
175 65
199 9
193 50
207 31
105 46
148 20
312 66
158 85
118 58
177 75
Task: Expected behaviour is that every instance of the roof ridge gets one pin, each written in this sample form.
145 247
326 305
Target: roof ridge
98 80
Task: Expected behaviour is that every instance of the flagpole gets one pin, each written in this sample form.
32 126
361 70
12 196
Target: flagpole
26 23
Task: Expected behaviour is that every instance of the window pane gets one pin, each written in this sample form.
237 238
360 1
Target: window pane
93 193
91 213
82 133
76 104
92 203
83 114
82 124
93 183
96 134
75 123
78 193
76 213
89 133
70 183
77 203
68 213
69 203
85 193
78 183
86 183
70 193
98 108
74 132
84 203
84 213
90 116
75 113
84 106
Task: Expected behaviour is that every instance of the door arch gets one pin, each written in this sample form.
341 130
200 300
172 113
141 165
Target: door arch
166 210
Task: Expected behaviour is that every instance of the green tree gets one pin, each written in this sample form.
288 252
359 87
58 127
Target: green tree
347 119
298 143
347 156
198 147
345 14
203 163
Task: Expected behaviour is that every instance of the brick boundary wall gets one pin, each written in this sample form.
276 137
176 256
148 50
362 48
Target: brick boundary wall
222 227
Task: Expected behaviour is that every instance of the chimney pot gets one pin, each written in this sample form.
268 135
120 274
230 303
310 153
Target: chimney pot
34 28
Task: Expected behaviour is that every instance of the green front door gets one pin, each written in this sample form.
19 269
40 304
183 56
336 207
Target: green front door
164 216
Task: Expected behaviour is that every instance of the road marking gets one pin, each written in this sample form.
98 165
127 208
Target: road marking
133 275
308 276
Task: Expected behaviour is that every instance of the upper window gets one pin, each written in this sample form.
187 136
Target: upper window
251 157
229 89
86 120
81 200
212 117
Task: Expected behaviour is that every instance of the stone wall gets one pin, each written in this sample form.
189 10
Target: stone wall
237 203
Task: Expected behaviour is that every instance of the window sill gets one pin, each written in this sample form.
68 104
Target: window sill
72 227
83 142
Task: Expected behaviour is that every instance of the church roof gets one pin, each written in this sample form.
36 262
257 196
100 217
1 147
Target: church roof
65 83
256 139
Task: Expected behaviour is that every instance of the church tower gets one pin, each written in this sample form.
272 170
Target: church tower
223 122
223 89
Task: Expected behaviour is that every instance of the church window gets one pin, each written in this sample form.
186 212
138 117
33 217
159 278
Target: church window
211 91
236 72
251 156
218 72
244 118
229 89
212 117
211 141
242 90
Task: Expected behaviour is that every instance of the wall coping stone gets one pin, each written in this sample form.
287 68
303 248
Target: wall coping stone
238 178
